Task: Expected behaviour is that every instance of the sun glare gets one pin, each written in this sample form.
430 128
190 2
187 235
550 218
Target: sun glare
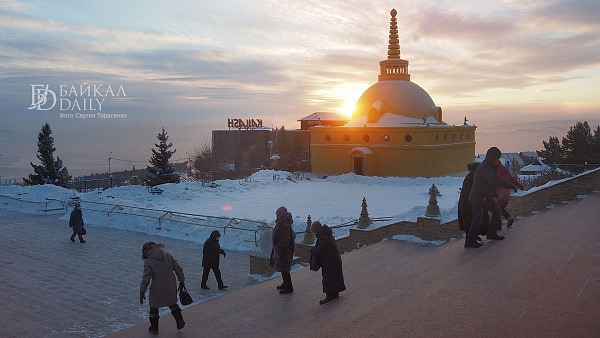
348 107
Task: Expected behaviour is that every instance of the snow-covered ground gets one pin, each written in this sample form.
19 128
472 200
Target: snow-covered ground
334 200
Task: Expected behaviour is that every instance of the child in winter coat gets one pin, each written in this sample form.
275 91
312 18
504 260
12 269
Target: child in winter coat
504 193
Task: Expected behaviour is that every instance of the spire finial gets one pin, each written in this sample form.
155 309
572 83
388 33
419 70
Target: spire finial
394 46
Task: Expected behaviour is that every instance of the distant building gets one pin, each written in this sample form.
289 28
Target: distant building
396 130
322 119
253 148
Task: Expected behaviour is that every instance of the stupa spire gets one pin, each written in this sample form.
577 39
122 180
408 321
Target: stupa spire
394 46
394 68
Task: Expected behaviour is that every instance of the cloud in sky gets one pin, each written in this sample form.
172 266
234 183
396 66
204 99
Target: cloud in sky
190 65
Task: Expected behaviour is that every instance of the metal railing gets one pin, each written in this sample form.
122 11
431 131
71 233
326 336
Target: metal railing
227 223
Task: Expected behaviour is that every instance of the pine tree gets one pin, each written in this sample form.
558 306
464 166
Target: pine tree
162 171
577 145
51 170
596 146
552 152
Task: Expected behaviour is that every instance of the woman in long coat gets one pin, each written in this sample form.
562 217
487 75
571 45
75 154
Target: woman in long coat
284 246
210 260
465 209
159 266
331 262
76 222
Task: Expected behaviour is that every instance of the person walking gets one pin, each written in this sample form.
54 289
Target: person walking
465 208
159 266
482 195
210 260
330 260
504 193
76 222
284 246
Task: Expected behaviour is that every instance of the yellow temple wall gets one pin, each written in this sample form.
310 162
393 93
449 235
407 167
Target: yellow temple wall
409 151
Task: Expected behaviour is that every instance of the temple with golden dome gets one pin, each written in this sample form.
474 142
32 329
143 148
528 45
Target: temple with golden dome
396 130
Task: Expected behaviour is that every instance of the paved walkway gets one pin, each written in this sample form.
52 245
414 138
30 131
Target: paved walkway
51 287
542 281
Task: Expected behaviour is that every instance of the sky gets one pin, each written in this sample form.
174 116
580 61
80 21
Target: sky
191 65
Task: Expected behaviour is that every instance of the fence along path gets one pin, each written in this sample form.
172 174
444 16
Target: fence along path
163 217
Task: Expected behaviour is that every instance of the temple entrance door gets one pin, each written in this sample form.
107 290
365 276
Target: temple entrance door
359 165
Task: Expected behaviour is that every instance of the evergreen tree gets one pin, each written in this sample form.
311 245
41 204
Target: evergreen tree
552 152
577 145
596 146
51 170
162 171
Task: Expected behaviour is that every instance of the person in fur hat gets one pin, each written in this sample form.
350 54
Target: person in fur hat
329 257
284 246
210 260
482 195
76 222
159 266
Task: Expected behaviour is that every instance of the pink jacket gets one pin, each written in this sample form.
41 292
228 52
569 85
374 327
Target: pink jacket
504 193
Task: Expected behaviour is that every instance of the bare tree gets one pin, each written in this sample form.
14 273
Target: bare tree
205 158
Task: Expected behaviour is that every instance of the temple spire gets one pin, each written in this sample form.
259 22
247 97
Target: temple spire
394 68
394 46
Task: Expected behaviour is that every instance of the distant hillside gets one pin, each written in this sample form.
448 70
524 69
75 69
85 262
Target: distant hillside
524 136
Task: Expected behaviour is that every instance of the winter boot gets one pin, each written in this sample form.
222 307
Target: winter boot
204 287
329 297
222 287
153 323
509 222
473 244
81 240
495 237
73 237
178 318
281 287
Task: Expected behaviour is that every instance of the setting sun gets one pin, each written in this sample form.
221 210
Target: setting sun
348 108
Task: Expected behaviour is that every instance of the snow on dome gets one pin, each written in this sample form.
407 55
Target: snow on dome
397 97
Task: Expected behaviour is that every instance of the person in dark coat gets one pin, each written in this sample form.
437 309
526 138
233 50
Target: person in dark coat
465 209
284 246
482 195
330 260
76 222
210 260
159 266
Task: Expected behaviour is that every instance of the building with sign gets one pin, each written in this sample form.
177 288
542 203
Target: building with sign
396 130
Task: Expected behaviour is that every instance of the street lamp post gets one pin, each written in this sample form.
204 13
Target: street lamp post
189 166
109 174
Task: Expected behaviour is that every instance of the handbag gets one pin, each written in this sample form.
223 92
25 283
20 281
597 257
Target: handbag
315 264
184 297
83 231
